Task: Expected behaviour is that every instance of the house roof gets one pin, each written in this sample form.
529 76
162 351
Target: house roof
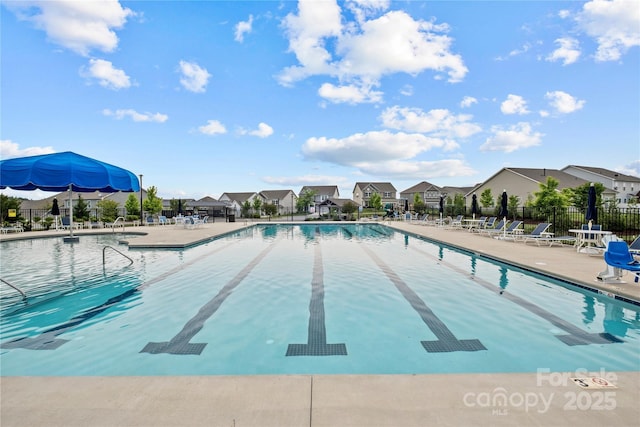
382 187
421 187
275 194
564 179
336 202
321 189
617 176
238 197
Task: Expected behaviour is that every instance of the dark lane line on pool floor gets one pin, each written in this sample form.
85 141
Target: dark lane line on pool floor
576 335
447 341
317 334
180 344
47 340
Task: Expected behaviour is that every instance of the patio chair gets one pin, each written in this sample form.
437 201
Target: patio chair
499 226
539 232
619 260
487 223
457 222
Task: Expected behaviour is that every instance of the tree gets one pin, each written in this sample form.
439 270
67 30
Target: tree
152 204
486 198
109 210
580 195
270 209
305 200
418 204
246 207
458 203
81 210
257 204
349 208
512 205
132 207
549 197
376 202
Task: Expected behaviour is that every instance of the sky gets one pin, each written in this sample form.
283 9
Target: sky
206 97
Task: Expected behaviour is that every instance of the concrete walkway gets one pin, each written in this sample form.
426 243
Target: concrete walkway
537 399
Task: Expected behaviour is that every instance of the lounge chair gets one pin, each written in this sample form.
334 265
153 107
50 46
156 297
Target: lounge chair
457 222
499 226
619 260
512 230
487 224
537 234
151 221
634 247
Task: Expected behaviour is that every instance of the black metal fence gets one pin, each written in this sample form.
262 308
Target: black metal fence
623 222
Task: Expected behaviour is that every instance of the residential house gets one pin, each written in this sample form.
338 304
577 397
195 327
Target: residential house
523 182
625 187
91 199
429 193
236 200
363 191
285 200
322 193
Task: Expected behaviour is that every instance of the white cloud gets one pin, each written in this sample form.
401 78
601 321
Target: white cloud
376 146
9 149
136 116
615 25
194 78
407 90
350 94
439 122
418 170
468 101
263 131
514 138
632 168
366 50
564 103
213 127
564 14
76 25
568 52
107 75
514 104
242 28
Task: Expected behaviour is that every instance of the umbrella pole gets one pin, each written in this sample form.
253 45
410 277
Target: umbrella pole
70 239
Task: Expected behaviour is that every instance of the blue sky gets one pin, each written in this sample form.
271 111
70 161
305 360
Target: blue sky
206 97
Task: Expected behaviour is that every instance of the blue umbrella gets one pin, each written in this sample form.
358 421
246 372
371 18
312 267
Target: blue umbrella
65 171
592 211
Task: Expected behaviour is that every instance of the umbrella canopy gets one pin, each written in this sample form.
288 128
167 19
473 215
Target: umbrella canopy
592 211
65 171
441 204
59 171
55 209
474 205
179 206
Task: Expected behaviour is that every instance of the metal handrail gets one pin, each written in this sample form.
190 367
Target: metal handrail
24 296
113 226
103 256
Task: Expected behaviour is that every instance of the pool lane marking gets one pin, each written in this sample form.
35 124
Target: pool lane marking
180 343
47 340
447 341
576 335
317 334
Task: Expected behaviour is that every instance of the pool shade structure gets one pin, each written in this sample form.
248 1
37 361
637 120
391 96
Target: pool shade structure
66 171
592 212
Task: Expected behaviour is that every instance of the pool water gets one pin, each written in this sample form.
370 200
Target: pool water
295 299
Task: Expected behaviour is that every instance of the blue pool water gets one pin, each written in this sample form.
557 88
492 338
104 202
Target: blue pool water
290 299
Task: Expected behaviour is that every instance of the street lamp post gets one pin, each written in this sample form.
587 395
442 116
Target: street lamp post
292 206
141 199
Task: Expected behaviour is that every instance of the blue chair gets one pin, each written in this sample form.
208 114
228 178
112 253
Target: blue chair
619 259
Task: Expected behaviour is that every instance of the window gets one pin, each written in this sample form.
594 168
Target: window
387 195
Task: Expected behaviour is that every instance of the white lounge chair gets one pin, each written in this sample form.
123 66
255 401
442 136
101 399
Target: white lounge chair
538 233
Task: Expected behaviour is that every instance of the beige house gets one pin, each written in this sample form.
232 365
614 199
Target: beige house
285 200
236 200
523 182
363 191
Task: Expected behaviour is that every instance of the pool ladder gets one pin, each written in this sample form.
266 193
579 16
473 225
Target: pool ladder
24 296
111 247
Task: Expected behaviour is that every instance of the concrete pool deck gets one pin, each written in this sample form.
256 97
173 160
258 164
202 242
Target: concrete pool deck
544 398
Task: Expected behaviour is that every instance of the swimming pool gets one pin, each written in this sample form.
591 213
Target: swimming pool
287 299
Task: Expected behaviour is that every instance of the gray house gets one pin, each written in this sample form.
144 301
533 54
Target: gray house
626 188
